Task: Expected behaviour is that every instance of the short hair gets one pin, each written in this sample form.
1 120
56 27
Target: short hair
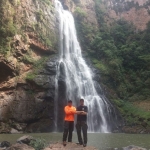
81 99
69 101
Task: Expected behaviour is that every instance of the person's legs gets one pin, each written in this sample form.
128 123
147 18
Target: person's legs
84 130
78 128
66 128
71 127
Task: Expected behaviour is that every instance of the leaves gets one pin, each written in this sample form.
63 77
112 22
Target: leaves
125 55
38 144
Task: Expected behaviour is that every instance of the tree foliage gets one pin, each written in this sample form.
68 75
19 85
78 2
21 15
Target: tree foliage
121 53
126 54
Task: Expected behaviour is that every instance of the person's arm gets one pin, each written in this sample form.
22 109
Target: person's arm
72 111
85 112
79 112
76 111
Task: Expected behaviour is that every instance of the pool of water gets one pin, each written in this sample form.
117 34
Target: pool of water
102 141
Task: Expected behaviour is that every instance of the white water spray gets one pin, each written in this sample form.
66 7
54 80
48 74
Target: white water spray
77 75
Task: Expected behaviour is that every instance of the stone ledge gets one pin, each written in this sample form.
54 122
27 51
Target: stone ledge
69 146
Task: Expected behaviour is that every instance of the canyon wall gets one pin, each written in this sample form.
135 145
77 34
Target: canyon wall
29 48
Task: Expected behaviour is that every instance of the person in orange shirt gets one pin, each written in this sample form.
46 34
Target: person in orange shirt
69 121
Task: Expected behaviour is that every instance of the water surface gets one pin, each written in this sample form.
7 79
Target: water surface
102 141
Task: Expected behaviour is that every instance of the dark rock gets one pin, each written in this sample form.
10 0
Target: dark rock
4 127
45 81
18 126
51 66
134 129
44 125
5 144
30 106
132 147
25 139
49 95
8 69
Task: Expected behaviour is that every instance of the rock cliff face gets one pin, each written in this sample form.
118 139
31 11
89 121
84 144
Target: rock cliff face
86 6
28 54
28 61
27 81
136 12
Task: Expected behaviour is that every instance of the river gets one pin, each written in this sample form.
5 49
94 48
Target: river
103 141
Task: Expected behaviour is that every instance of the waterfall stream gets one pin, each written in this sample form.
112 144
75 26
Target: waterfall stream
74 78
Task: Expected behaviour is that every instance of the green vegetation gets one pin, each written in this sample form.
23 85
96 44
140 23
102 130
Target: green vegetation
7 26
37 65
80 13
48 2
15 2
38 144
27 58
126 55
122 54
39 15
132 114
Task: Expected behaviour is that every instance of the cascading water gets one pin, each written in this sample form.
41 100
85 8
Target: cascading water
74 77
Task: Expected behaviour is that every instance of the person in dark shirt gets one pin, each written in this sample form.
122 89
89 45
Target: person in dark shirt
82 123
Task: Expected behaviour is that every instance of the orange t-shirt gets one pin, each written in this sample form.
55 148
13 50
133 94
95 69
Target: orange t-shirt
69 113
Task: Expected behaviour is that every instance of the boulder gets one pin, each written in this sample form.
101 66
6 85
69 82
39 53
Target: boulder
132 147
18 146
25 139
43 125
4 144
4 128
14 131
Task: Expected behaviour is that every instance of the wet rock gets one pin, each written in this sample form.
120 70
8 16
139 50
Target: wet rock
43 125
135 129
18 126
4 128
4 144
25 139
132 147
14 131
18 146
51 66
8 69
45 81
12 127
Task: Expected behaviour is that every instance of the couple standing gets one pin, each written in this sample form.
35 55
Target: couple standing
81 112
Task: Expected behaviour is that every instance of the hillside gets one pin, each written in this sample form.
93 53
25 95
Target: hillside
114 36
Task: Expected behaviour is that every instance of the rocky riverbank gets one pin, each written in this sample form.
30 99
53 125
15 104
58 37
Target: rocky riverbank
27 142
13 128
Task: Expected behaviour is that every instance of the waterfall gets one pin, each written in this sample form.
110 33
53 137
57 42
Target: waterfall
74 78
